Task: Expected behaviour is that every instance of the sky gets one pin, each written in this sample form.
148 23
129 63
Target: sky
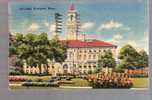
117 21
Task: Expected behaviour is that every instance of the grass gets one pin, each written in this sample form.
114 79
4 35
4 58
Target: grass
29 88
44 78
140 82
34 78
78 83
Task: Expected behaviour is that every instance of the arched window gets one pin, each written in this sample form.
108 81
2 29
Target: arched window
65 66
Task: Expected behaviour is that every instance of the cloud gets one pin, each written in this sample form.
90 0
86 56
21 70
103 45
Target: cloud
33 27
118 36
46 24
87 26
110 25
138 44
116 39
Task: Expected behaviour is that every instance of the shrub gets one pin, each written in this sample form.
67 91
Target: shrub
40 84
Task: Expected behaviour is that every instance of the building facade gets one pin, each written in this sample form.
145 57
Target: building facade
82 53
82 56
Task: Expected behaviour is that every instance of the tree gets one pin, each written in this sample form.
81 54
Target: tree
106 60
130 58
143 59
37 49
58 49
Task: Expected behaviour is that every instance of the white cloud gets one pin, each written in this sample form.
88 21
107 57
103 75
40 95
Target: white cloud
138 44
46 24
33 27
110 25
116 38
87 26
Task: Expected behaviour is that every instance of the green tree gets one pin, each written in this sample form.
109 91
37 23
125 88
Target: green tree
143 59
106 60
130 58
37 49
58 49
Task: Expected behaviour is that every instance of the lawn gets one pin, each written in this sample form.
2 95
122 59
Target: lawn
44 78
140 82
34 78
77 82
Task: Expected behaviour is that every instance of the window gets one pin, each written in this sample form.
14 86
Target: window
94 56
52 66
79 57
70 55
94 66
89 66
89 56
89 50
84 57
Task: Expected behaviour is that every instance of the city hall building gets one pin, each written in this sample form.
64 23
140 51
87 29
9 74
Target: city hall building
82 53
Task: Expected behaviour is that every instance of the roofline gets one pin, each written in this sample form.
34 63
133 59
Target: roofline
94 46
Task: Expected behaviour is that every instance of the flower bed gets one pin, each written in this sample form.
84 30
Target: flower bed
17 78
111 80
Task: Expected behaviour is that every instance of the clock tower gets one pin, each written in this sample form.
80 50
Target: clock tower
72 23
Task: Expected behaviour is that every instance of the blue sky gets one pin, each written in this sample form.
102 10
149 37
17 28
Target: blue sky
118 21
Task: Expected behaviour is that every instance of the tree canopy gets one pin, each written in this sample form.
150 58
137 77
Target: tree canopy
106 60
36 49
131 59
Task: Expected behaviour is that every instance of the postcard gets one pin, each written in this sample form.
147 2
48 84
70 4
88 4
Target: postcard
78 45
